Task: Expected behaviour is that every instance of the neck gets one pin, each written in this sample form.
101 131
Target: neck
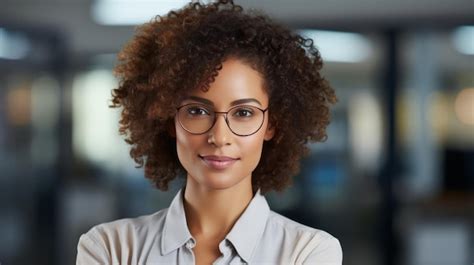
211 213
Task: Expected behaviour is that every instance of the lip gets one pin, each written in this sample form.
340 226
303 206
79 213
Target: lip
218 162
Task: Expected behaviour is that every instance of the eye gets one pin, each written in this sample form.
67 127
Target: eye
244 112
197 111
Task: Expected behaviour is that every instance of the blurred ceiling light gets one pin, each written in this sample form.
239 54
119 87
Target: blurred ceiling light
463 39
95 125
340 46
131 12
366 130
13 46
464 106
93 121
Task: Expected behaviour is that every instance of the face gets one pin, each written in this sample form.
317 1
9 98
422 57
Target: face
219 159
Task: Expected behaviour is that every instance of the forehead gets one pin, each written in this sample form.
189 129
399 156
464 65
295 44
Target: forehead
235 81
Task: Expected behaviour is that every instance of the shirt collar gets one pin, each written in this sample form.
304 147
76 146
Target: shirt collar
247 231
175 230
244 235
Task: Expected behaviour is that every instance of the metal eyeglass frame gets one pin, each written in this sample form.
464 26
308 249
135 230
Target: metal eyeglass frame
225 118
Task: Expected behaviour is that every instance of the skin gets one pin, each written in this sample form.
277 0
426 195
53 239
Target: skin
214 199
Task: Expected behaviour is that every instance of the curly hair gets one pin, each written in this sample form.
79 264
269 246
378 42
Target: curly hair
184 50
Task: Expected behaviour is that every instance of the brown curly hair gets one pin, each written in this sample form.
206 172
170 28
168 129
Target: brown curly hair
173 54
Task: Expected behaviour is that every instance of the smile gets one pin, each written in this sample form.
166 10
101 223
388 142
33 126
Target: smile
218 162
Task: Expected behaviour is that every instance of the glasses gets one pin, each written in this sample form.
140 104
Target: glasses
243 120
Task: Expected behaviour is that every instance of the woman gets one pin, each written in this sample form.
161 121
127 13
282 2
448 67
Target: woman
228 99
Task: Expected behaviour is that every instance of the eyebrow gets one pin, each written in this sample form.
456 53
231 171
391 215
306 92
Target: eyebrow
233 103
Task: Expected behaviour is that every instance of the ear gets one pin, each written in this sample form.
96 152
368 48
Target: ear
269 133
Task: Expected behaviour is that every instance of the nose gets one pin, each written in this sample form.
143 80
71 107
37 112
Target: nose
221 131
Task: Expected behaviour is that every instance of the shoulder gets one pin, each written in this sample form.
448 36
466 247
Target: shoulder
100 243
278 223
309 245
130 225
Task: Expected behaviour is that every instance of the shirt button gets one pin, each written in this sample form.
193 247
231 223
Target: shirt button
190 245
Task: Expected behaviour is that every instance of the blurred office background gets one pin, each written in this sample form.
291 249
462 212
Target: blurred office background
394 181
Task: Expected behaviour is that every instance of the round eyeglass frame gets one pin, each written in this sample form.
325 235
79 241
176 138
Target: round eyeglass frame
225 118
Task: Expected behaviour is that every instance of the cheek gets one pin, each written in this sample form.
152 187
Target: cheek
251 149
185 144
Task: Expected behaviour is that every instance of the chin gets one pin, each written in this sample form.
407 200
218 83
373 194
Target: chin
218 184
218 181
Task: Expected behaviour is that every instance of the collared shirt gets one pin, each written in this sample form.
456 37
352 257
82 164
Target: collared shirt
260 236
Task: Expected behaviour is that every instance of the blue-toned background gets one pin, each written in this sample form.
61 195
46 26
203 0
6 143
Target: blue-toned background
394 181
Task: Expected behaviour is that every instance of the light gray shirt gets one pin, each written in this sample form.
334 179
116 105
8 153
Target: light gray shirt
260 236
